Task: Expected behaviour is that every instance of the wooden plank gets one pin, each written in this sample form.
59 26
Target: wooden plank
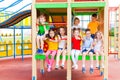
106 40
69 17
119 35
34 73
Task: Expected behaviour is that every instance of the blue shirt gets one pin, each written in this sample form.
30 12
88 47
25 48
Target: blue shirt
87 43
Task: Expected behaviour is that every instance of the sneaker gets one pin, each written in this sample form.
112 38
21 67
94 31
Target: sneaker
76 67
102 66
97 65
73 66
41 51
62 66
38 51
49 69
91 70
83 70
56 67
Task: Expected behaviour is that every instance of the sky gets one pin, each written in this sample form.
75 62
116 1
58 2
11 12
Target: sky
6 3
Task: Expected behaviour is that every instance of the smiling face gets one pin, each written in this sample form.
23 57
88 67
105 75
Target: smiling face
76 33
52 34
62 31
88 34
76 22
42 19
98 35
94 18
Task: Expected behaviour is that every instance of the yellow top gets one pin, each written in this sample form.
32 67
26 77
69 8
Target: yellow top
93 26
52 45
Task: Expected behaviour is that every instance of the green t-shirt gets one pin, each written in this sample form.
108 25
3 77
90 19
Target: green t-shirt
42 30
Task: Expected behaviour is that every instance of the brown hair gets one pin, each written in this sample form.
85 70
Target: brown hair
74 29
76 18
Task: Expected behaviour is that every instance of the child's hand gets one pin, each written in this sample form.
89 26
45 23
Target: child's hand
46 32
44 38
77 37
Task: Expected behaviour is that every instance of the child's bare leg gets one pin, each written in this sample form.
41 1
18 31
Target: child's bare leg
97 61
38 42
102 61
64 56
83 58
91 59
42 42
58 58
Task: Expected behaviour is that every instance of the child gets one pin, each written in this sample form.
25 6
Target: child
62 47
94 25
98 47
87 49
53 46
42 29
76 40
76 23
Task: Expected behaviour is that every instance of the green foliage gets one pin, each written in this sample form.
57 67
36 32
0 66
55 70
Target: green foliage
111 32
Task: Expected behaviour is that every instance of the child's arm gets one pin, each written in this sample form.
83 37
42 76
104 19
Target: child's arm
65 45
78 38
59 39
37 25
55 40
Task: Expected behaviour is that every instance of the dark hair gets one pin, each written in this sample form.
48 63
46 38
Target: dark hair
94 15
76 18
87 30
74 29
48 35
65 29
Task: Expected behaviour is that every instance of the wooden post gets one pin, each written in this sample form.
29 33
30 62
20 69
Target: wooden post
69 40
106 40
115 32
34 76
119 34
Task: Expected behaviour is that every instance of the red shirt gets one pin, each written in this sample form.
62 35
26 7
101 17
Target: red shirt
76 43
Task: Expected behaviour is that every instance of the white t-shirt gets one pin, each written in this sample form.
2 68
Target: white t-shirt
74 26
62 43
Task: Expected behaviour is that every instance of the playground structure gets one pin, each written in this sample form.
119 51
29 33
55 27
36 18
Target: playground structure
114 24
69 8
16 45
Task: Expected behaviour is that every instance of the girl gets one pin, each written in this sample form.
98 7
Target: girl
42 30
53 46
76 23
98 47
76 41
62 47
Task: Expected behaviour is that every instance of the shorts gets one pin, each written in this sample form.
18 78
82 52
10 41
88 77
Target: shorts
85 50
40 34
60 48
93 36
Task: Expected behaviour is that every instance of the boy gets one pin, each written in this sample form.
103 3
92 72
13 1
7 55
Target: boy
93 25
42 29
87 49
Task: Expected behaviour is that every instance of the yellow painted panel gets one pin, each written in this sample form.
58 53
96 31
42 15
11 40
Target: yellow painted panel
10 48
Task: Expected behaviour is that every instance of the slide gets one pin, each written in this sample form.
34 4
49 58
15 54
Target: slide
15 19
